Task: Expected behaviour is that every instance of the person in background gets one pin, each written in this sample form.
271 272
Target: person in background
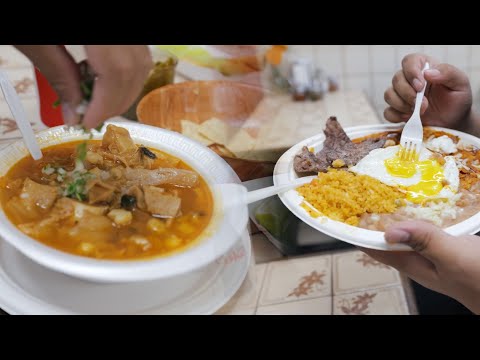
447 264
120 71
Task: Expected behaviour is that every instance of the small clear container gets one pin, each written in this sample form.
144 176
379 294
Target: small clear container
300 78
320 85
162 73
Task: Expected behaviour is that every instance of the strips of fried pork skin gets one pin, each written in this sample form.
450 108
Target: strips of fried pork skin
116 175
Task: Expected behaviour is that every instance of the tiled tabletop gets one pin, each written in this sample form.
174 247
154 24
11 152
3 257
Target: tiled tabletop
343 283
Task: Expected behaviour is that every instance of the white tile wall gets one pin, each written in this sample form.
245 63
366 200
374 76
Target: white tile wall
439 52
459 55
403 50
475 62
371 67
381 82
303 50
331 58
475 83
358 82
383 58
356 59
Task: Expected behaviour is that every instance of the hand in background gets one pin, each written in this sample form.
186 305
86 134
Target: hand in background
441 262
448 97
120 71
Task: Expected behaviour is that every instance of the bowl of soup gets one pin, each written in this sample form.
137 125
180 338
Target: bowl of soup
128 203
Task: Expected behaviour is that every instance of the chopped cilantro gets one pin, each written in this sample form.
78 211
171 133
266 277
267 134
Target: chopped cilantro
82 151
76 189
86 90
99 127
56 103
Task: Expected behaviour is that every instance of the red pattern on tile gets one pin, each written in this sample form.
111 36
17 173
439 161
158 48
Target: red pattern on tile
307 284
23 85
9 125
358 305
367 261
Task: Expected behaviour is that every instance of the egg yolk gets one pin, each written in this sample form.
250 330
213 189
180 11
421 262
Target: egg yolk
431 181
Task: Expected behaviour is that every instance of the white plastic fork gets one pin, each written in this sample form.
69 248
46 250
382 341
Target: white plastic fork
412 134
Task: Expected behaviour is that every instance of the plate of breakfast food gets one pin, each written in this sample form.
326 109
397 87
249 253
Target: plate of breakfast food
363 186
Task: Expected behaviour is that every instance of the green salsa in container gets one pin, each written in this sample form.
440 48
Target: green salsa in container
162 73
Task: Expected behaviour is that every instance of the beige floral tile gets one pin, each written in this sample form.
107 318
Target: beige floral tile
4 144
261 270
296 279
385 301
264 250
355 270
317 306
239 312
8 126
23 80
246 298
12 58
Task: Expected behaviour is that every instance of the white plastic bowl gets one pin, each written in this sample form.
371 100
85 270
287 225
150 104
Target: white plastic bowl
285 174
226 227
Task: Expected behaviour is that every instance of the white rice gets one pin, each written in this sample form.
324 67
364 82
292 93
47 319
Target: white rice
435 211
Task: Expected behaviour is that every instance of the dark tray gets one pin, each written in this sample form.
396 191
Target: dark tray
283 229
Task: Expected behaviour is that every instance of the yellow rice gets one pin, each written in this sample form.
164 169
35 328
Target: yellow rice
344 196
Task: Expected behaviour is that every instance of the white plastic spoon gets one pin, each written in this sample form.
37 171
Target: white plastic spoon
20 116
238 195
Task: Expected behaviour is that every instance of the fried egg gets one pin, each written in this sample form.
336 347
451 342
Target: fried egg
422 179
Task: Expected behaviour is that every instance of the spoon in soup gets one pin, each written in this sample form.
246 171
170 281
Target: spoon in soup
20 116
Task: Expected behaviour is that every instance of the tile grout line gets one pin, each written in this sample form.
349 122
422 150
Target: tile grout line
344 65
405 292
469 60
332 305
409 295
314 297
389 286
262 282
370 71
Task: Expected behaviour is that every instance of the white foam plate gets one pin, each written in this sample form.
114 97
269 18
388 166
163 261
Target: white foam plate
27 288
285 174
226 226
